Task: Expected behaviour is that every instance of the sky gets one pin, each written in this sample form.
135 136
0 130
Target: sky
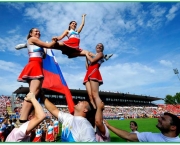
143 36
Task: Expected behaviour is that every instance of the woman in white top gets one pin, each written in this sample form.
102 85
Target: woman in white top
33 72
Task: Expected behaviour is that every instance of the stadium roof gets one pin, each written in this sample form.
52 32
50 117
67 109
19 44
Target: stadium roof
83 93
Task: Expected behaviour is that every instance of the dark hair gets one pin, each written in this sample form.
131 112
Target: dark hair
14 120
30 31
70 24
135 124
91 115
174 121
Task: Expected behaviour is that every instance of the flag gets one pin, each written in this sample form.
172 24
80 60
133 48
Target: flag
54 80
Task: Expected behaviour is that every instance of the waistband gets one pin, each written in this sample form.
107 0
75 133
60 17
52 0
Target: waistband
38 59
36 54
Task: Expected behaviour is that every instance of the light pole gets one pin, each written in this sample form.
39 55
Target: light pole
176 72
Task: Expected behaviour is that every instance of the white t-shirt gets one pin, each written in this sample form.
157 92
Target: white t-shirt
75 128
19 134
134 131
155 137
102 138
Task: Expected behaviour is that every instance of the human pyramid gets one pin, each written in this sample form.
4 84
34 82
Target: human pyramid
86 124
33 75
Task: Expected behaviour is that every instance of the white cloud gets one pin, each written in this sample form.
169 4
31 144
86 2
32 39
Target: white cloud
172 12
166 63
10 66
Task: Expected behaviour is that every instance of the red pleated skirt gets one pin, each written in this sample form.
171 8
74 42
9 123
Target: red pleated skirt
33 70
37 139
94 74
56 129
72 46
50 137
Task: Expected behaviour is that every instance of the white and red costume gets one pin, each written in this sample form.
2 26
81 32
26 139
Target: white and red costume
56 126
38 135
72 43
50 134
93 72
33 70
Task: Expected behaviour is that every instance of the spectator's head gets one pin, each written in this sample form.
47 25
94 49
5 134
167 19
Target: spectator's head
5 121
51 122
82 108
9 121
169 123
133 126
14 120
91 115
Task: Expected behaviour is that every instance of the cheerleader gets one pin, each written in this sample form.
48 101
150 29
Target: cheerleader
33 72
38 134
93 78
50 133
56 128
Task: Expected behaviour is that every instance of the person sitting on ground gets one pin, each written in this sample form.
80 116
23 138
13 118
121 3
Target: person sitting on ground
168 124
37 115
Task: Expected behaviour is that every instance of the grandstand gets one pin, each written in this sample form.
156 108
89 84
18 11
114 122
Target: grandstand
109 98
117 105
115 99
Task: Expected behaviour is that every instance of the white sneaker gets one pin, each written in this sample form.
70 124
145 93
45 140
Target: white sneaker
107 56
21 46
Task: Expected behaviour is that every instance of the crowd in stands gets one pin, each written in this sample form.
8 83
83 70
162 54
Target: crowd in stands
110 112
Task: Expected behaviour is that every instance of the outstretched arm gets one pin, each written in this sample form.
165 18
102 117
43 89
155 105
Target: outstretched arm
122 133
38 42
82 23
99 118
50 106
39 113
65 33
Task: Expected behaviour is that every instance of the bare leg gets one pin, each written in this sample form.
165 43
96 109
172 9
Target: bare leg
34 87
95 91
88 88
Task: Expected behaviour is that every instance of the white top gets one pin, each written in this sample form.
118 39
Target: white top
56 123
134 131
156 137
19 134
75 128
35 51
50 129
73 34
38 132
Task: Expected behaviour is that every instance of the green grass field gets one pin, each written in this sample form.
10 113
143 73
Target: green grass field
144 125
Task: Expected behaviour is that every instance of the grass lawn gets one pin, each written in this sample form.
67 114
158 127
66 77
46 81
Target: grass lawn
144 125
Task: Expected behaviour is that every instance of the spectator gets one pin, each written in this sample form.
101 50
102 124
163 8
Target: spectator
168 124
133 127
